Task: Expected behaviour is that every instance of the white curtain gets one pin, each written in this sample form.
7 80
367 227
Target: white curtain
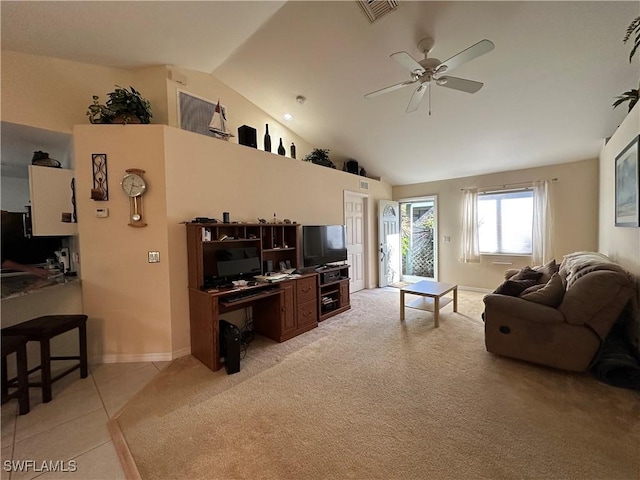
542 223
470 239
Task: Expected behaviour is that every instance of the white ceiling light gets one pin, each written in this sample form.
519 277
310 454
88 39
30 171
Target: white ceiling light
288 117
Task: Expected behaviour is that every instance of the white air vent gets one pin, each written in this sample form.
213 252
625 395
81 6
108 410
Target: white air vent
364 185
375 9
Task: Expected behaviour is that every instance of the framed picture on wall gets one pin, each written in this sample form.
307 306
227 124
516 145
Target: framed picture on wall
628 186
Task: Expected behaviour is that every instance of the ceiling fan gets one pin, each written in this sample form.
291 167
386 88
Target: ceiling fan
424 71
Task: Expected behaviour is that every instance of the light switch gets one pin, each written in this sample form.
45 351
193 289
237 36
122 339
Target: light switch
154 257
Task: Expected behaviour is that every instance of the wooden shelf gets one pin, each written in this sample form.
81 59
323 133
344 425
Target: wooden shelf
336 289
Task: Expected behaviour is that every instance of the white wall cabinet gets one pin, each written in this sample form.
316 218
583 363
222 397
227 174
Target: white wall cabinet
51 194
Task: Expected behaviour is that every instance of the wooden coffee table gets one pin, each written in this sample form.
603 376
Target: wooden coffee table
431 294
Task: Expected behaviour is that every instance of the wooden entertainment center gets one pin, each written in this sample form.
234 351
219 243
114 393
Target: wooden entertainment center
281 310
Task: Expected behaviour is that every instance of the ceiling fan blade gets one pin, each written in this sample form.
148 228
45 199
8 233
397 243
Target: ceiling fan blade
480 48
390 88
462 84
416 97
407 61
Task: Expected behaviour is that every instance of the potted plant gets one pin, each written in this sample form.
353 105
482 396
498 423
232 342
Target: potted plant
123 106
631 95
320 156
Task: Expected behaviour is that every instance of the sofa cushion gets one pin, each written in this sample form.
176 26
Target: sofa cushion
527 273
547 270
514 287
551 294
534 288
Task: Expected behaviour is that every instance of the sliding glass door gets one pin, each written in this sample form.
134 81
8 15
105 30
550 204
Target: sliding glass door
418 219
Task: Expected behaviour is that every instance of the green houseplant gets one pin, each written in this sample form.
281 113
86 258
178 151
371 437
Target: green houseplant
123 106
631 95
320 156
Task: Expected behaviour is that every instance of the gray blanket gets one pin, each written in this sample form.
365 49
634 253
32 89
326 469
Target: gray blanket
615 364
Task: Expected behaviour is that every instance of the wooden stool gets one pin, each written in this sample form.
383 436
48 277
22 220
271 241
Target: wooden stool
16 344
43 329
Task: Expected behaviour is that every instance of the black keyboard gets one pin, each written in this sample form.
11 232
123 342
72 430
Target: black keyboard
236 297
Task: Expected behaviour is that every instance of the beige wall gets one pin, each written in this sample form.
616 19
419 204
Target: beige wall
126 297
140 310
622 244
576 218
53 94
239 110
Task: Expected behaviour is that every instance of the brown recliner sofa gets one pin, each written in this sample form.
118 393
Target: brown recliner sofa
562 320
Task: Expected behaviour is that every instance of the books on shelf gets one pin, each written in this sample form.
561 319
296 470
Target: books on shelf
274 277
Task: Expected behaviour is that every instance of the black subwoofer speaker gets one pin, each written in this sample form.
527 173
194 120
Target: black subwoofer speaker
247 136
352 166
230 340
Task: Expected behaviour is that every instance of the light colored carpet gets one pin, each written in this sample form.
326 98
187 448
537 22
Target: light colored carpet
365 396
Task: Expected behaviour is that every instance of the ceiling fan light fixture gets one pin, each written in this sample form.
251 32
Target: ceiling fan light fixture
441 81
440 70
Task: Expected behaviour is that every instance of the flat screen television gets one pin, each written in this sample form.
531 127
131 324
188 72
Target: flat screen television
323 244
237 263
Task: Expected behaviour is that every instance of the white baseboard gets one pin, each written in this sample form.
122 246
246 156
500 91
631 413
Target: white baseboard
140 357
474 289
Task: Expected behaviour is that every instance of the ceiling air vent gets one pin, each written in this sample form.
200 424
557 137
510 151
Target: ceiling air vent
375 9
364 185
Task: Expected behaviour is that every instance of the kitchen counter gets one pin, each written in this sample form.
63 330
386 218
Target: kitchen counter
19 284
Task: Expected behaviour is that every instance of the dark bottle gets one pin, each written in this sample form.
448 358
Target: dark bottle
281 150
267 140
293 150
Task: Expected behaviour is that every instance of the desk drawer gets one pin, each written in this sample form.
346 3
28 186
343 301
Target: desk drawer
307 313
305 289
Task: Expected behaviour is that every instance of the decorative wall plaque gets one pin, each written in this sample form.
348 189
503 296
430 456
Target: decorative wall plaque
100 190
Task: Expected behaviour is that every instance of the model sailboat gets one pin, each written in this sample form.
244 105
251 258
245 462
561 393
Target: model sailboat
218 124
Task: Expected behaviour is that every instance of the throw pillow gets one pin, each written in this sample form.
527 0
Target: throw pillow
550 294
547 270
510 273
535 288
514 288
527 273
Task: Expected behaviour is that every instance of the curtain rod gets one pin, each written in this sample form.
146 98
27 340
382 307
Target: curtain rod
507 185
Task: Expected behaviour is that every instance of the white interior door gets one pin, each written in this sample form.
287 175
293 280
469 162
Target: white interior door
389 239
354 218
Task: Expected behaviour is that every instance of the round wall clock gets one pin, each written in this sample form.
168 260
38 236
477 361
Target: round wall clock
134 186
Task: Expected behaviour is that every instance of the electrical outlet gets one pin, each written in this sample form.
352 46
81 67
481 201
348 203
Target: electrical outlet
154 257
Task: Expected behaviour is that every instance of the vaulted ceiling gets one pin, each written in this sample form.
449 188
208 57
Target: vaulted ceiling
548 84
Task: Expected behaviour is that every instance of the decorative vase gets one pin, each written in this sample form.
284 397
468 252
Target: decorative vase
267 140
281 150
293 150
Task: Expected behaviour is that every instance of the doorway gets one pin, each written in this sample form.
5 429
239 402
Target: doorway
355 219
419 239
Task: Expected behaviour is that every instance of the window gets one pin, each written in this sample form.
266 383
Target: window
505 222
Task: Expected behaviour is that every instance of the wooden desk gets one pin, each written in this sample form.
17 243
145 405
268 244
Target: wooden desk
430 293
280 312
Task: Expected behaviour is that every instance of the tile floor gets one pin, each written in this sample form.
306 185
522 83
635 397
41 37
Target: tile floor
72 428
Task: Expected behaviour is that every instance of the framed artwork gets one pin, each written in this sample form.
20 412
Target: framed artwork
628 186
